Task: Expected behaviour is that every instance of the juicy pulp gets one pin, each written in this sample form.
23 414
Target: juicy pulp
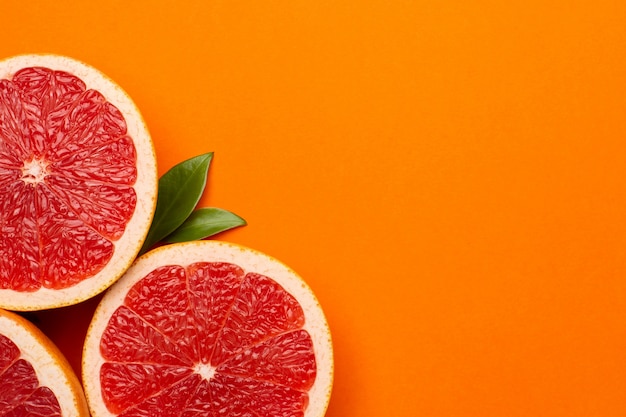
20 392
206 338
67 170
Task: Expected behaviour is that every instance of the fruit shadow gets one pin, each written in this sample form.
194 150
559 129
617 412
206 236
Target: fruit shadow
347 391
67 328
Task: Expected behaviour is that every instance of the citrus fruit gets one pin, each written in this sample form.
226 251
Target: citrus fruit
78 182
208 328
35 378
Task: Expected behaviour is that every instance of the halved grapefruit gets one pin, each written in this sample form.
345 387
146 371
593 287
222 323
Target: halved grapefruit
35 378
208 328
78 182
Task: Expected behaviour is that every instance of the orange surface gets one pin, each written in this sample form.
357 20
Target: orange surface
448 176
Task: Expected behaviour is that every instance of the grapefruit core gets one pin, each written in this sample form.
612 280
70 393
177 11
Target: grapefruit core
78 182
208 328
35 378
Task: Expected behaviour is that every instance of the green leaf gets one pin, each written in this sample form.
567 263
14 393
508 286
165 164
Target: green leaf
180 189
205 222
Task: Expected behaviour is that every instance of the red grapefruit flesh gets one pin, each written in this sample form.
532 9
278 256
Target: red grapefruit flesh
208 329
77 182
35 379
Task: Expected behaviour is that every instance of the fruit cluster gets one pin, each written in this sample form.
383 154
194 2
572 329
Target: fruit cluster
186 326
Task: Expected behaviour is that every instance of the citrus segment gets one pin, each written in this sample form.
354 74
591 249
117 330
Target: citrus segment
262 310
212 291
8 352
287 359
208 328
161 300
77 182
35 379
138 341
20 393
127 385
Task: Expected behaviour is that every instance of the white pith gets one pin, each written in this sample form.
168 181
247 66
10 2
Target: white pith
127 247
213 251
205 370
34 171
47 363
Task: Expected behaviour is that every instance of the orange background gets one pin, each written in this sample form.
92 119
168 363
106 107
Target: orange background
447 175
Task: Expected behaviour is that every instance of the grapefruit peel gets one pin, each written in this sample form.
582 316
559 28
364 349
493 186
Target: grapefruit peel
188 253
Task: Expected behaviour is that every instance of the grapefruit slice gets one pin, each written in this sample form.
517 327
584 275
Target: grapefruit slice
208 328
35 378
78 182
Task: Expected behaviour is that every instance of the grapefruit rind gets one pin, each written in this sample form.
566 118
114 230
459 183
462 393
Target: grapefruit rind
128 246
51 367
212 251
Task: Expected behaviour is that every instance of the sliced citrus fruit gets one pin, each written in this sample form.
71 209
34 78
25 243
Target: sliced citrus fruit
35 378
208 328
78 182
